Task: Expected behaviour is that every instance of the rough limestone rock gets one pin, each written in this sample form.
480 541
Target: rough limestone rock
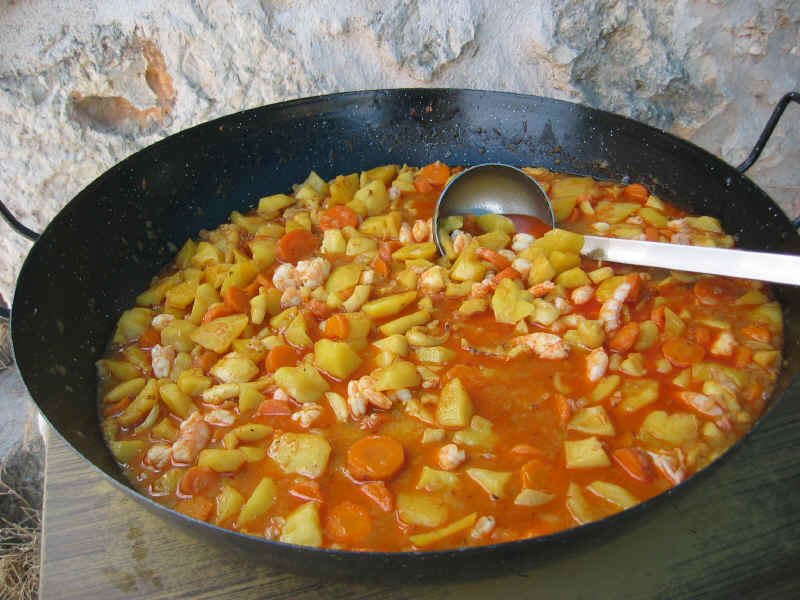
85 84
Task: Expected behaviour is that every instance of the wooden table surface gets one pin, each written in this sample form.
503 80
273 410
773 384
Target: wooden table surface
735 533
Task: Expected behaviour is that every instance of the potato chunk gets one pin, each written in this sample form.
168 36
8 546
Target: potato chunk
431 537
493 482
302 453
303 383
217 335
638 393
388 305
675 429
585 454
229 501
418 508
336 358
302 526
454 409
434 480
615 494
593 420
259 501
234 368
401 374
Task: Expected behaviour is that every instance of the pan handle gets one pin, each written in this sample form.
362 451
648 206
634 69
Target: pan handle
24 232
765 135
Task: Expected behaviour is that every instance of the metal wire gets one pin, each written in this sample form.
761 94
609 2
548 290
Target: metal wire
16 225
767 132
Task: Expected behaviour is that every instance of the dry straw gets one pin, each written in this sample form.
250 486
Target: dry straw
19 549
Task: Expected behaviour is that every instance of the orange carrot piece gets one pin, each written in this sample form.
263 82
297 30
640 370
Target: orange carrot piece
198 508
563 407
338 216
379 494
497 259
251 289
423 186
759 333
636 287
273 408
237 299
657 316
319 308
385 250
296 245
436 173
307 491
348 523
197 479
375 457
381 267
337 327
634 463
206 360
625 338
117 407
702 335
149 338
651 234
683 353
264 280
280 356
635 192
536 474
742 356
216 311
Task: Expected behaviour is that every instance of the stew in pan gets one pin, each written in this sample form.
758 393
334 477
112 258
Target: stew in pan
314 372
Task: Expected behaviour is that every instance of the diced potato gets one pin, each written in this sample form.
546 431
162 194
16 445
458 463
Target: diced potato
494 240
396 344
252 432
302 526
647 337
605 387
221 460
259 502
492 222
388 305
432 435
601 274
541 270
564 261
181 295
359 326
401 374
578 506
572 278
253 454
204 297
178 334
435 354
769 314
219 393
653 217
675 429
360 245
333 242
168 482
767 358
141 405
273 204
128 389
206 254
336 358
177 401
509 303
673 324
423 509
593 420
585 454
638 393
229 502
434 480
252 348
591 333
370 200
360 295
121 369
473 306
704 224
404 323
302 453
564 194
561 240
132 324
249 398
615 212
493 482
303 383
338 405
615 494
633 365
683 378
479 434
343 188
217 335
234 368
164 430
297 333
607 288
384 174
425 250
532 498
125 451
626 231
193 382
282 320
431 537
454 409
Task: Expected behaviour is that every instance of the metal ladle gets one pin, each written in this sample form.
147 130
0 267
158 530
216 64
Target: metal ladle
505 190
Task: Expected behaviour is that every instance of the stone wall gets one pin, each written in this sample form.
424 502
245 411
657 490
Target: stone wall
84 84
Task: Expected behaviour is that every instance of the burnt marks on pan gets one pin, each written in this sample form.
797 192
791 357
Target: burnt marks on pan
433 110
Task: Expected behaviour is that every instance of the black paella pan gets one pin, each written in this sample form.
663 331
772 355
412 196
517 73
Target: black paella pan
103 248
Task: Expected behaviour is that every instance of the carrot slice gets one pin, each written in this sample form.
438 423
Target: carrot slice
307 491
338 217
206 360
657 316
296 245
338 327
379 494
375 457
651 234
497 259
237 299
251 289
625 338
319 308
683 353
280 356
742 356
198 508
273 408
437 173
635 463
216 311
381 267
635 192
759 333
348 523
423 186
149 338
197 479
536 474
702 335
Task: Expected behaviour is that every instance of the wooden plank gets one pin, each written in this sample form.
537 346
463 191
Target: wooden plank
734 533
